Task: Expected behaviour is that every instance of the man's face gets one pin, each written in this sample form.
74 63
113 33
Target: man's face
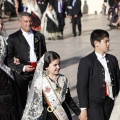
26 23
103 46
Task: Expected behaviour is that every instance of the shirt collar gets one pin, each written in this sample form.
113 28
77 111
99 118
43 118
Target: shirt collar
26 33
99 56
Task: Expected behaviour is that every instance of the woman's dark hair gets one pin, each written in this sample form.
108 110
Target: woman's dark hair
49 57
98 35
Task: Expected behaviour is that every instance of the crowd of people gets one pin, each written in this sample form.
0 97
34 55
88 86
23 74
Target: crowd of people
114 15
47 13
31 86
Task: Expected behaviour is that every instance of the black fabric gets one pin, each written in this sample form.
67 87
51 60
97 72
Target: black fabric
75 22
61 16
42 5
100 109
8 7
9 107
51 26
76 10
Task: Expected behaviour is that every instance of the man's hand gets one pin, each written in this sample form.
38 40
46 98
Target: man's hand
83 115
75 16
29 68
16 61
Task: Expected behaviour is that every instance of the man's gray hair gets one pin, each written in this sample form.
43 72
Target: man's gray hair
23 14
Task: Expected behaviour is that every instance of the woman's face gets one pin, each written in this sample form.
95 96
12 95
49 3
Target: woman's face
33 1
50 8
1 24
54 67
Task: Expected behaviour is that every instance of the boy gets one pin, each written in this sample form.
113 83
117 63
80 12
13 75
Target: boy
98 79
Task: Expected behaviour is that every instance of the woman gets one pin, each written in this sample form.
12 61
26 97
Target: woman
54 87
33 9
9 109
10 7
49 24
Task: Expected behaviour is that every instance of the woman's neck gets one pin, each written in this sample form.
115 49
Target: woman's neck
53 77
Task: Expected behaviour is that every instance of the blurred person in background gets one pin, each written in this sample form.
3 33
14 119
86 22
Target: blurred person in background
10 108
34 10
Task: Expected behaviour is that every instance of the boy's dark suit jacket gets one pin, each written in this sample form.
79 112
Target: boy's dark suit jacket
91 78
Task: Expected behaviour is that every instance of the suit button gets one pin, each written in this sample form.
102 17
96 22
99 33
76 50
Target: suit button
103 73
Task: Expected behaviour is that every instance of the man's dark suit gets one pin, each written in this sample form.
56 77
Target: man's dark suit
19 48
61 16
76 10
91 84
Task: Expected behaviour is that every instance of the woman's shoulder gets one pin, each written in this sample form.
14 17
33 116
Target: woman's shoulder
63 77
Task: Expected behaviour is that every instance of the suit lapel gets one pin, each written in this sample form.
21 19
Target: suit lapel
108 63
36 44
22 39
36 40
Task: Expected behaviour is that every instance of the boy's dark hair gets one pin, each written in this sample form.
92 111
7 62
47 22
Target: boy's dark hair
24 14
49 57
98 35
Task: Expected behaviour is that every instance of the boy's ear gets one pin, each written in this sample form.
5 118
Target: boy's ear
96 43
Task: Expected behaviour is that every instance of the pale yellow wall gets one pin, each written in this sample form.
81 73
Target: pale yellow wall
93 5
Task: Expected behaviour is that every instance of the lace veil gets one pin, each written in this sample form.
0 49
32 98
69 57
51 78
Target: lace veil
3 53
34 106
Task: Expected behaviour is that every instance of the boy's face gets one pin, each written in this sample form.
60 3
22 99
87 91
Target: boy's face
102 46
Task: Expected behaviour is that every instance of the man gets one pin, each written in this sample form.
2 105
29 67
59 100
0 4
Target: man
98 79
25 46
76 15
60 7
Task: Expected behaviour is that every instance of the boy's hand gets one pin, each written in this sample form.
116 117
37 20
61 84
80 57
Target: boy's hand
83 115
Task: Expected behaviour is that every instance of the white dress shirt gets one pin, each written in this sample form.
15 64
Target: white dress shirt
30 40
103 61
60 4
73 3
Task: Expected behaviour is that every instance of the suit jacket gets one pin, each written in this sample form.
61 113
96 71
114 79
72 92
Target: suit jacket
19 48
76 9
91 78
64 6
